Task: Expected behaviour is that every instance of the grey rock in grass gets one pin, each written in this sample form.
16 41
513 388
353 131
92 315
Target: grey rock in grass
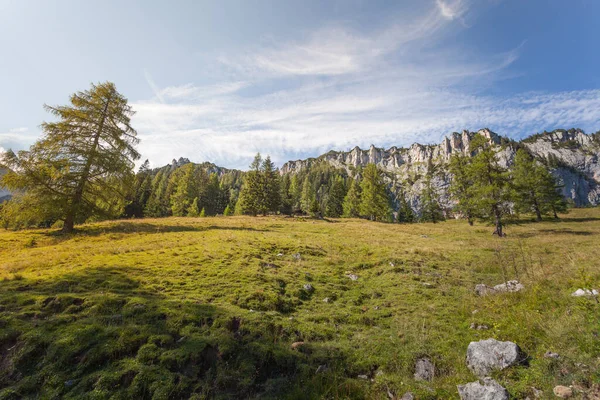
308 287
352 277
584 292
297 256
408 396
488 390
487 355
506 287
479 327
424 370
509 286
550 354
363 377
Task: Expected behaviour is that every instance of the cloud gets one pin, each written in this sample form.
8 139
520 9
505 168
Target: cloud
17 138
451 9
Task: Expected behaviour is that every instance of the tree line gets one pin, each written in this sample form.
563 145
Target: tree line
82 170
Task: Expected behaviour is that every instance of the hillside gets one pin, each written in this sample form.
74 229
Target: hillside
573 156
279 308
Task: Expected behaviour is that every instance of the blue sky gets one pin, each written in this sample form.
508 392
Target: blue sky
221 80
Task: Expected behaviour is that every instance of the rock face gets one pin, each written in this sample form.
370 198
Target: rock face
489 390
573 156
487 355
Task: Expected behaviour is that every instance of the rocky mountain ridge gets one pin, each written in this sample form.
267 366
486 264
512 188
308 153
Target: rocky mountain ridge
572 155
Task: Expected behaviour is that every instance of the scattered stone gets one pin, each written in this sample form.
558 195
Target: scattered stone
376 308
70 382
181 339
478 327
392 264
537 393
326 300
379 373
424 370
297 345
363 377
424 236
322 368
564 392
584 292
308 287
474 312
506 287
297 256
487 355
427 285
550 354
352 277
280 255
490 390
408 396
482 290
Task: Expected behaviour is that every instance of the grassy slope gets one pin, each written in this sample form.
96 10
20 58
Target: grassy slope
173 308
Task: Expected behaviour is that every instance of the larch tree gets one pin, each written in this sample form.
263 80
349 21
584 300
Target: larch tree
490 187
431 209
460 184
535 189
334 206
80 166
374 202
351 204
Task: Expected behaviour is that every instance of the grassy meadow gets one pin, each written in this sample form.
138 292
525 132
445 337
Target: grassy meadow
210 307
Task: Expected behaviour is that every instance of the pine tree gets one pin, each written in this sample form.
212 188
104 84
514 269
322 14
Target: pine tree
227 211
251 193
335 200
489 190
431 210
308 196
185 184
460 184
535 188
374 204
83 163
296 193
405 211
286 195
351 205
202 213
270 197
193 210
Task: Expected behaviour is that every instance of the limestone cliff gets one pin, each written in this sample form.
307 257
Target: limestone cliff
572 155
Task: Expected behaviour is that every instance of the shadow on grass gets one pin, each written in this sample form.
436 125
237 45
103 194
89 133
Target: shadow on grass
102 332
129 227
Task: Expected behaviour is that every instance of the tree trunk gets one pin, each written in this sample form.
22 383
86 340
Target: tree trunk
554 211
498 220
85 174
536 207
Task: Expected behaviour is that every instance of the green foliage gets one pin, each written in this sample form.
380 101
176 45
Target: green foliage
260 193
228 212
335 199
535 189
405 211
374 201
489 191
460 185
83 163
431 209
351 205
202 213
193 210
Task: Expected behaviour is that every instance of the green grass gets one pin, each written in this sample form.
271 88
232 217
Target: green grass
206 308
